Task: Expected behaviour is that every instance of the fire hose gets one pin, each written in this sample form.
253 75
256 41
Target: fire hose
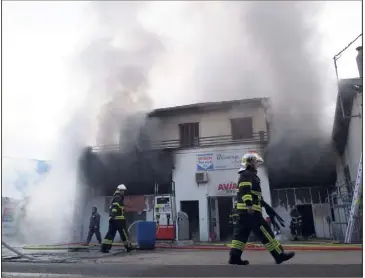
45 247
32 259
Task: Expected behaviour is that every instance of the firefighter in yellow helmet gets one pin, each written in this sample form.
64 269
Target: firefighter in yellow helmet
117 221
249 207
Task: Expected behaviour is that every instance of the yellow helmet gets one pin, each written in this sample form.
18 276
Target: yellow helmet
251 158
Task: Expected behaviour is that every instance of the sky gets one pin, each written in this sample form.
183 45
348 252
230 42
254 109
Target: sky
40 43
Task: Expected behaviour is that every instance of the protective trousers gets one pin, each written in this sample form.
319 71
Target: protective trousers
254 222
91 233
114 226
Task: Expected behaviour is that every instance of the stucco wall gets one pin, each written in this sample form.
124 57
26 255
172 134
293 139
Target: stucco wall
210 123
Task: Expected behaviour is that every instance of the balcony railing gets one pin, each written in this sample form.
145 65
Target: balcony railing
259 137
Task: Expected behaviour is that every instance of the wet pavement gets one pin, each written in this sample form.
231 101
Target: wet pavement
187 263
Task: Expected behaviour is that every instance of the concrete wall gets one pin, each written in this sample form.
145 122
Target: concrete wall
188 190
210 123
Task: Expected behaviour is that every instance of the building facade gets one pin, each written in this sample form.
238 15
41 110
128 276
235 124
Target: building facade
207 142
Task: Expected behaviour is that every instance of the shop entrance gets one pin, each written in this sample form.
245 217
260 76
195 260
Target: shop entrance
219 211
191 208
225 206
308 222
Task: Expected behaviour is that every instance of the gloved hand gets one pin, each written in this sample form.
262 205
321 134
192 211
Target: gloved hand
272 214
110 219
276 217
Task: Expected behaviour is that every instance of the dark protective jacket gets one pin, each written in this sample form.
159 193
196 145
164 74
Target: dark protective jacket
296 217
116 209
94 221
249 191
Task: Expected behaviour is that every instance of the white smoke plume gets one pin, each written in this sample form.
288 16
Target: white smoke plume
50 210
116 65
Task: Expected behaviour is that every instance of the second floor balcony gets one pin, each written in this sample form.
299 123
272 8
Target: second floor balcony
196 142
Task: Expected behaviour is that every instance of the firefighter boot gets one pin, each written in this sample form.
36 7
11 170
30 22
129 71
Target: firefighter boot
129 248
235 258
104 248
284 257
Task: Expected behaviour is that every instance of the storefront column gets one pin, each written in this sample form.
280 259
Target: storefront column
204 221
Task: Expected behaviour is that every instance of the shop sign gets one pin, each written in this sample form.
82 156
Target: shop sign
227 188
225 161
228 160
205 162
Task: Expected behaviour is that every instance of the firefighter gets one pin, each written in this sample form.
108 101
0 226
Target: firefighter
249 207
94 226
296 224
117 221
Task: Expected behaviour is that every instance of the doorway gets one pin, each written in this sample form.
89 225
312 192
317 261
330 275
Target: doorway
191 208
308 220
225 206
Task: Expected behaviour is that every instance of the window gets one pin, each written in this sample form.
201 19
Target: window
242 128
189 134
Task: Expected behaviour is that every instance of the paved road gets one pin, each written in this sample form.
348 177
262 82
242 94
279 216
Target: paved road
196 264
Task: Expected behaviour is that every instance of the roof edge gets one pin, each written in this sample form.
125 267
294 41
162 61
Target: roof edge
206 105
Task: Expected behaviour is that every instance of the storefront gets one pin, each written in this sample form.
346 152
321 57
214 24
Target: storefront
221 198
214 197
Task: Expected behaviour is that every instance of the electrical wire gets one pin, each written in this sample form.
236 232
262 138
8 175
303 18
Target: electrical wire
338 56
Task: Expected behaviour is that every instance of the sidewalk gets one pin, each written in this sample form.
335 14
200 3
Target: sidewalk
189 245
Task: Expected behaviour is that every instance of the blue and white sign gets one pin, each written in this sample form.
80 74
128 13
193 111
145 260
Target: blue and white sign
205 162
224 160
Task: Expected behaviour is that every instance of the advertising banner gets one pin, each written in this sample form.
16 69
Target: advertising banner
225 189
223 160
227 161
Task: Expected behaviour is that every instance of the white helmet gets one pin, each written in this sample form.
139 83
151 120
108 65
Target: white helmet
250 158
121 187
